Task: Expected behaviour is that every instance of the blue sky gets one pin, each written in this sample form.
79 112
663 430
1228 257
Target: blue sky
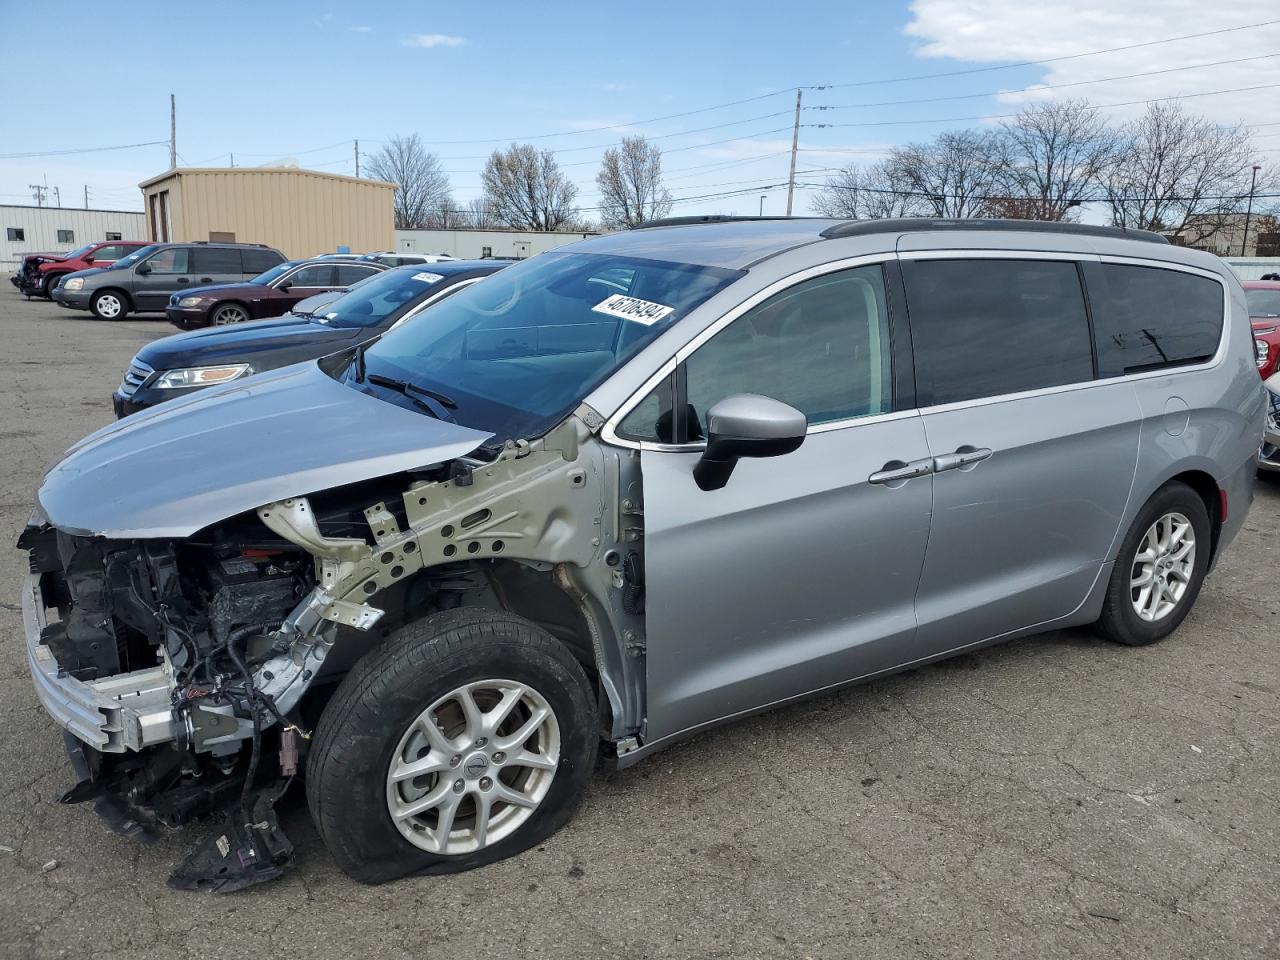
272 82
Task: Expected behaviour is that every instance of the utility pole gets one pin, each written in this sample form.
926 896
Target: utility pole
173 132
38 192
357 158
762 204
57 195
1253 185
86 196
233 161
795 143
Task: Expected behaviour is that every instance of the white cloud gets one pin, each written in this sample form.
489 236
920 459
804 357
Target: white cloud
360 29
429 40
1010 31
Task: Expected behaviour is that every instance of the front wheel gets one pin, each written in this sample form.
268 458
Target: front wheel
51 281
1160 570
109 305
227 314
466 738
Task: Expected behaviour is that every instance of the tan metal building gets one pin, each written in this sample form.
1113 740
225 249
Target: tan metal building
299 212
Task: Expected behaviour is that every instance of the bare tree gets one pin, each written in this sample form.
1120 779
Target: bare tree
630 182
953 176
866 193
1180 173
526 189
479 214
1051 158
422 187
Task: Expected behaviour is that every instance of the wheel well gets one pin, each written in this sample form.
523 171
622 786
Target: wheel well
1207 489
229 303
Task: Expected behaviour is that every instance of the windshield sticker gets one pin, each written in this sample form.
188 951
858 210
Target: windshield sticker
631 308
428 277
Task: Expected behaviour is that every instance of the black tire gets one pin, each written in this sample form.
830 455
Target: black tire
100 305
1119 620
50 281
362 726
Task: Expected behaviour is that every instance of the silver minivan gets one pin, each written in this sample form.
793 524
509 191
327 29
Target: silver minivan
617 494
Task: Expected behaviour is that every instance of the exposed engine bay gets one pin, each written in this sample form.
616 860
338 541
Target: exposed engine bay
190 672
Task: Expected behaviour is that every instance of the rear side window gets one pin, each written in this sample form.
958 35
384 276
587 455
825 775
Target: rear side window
314 275
1147 318
217 260
260 261
983 328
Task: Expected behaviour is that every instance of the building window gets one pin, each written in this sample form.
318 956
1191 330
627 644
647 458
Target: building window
15 233
66 236
112 235
486 253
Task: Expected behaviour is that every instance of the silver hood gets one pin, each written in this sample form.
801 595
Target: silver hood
173 470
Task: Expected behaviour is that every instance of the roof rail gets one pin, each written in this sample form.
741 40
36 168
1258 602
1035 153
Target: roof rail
712 218
857 228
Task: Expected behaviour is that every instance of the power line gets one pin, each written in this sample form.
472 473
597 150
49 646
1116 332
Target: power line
65 153
926 194
1042 86
1037 63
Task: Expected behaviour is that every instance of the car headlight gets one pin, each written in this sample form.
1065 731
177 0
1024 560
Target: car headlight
201 376
188 301
75 283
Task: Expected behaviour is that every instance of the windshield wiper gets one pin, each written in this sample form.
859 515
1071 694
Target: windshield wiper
414 392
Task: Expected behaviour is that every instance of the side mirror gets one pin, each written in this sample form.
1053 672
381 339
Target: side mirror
746 425
143 269
285 286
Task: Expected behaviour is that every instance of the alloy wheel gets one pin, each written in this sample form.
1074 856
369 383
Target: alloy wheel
229 315
109 306
1163 567
473 767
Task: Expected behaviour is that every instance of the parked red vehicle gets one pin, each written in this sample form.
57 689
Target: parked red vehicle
1263 297
40 273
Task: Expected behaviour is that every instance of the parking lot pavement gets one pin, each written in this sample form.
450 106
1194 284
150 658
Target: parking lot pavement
1055 797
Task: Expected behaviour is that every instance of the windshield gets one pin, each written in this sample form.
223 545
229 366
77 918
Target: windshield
263 279
1263 303
79 252
519 351
134 257
374 299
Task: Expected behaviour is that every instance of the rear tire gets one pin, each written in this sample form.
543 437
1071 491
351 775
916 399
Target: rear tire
374 728
1160 568
109 305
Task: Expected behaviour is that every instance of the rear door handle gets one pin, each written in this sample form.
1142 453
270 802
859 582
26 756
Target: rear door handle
206 279
965 456
896 470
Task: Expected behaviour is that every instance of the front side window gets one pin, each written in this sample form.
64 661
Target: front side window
520 350
1148 318
821 346
169 260
349 273
314 275
983 328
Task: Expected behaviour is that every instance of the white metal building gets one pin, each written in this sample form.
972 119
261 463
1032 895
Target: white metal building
26 230
468 244
1253 268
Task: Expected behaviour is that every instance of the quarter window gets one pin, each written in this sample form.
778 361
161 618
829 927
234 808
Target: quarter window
821 346
1148 318
982 328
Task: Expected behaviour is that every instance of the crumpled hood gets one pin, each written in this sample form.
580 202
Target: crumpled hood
172 470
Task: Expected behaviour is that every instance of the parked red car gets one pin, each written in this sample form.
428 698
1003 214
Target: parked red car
40 273
1263 297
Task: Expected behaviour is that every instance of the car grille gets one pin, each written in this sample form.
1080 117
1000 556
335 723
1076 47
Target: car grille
135 377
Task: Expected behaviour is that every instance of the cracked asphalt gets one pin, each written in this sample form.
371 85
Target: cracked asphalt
1054 797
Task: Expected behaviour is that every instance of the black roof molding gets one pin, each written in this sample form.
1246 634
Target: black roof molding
858 228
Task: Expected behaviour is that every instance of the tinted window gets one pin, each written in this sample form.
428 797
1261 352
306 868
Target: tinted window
169 260
982 328
350 273
822 346
1263 303
217 260
110 252
256 261
1147 318
315 275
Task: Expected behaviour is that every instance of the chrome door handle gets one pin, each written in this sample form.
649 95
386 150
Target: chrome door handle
897 470
965 456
